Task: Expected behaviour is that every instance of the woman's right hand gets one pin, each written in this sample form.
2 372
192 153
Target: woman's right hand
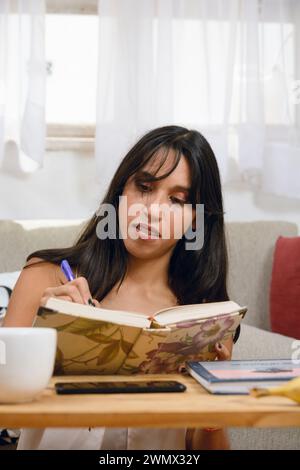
74 291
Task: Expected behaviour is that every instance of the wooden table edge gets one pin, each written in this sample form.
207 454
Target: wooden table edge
236 410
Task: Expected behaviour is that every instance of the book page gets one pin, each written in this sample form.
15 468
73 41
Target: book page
93 313
197 311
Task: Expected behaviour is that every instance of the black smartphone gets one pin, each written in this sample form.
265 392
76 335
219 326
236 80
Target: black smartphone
65 388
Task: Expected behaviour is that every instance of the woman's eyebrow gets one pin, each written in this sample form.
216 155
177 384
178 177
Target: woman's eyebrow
143 174
176 187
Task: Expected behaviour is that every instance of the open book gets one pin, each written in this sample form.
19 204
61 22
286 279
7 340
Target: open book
102 341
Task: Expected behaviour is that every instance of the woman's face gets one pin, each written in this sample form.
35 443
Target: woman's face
153 216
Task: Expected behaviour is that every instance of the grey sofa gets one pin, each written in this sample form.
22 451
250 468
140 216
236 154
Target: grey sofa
250 246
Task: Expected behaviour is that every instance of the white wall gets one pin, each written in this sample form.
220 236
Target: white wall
242 204
67 188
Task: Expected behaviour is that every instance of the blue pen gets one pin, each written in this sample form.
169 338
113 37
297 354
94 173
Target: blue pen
66 269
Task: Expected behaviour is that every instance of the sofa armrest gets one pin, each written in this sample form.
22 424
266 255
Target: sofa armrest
255 343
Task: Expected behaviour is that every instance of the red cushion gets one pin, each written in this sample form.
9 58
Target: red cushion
285 287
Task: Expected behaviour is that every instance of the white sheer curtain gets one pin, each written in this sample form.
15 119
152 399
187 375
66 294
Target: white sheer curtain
22 81
224 67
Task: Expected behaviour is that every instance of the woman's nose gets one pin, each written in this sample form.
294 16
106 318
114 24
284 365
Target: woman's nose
154 207
157 198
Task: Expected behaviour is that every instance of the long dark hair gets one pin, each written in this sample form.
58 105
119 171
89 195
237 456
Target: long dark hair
195 276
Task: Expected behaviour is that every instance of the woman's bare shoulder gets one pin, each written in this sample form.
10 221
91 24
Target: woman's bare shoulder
36 276
41 270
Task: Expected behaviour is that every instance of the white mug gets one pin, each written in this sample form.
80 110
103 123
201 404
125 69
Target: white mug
27 357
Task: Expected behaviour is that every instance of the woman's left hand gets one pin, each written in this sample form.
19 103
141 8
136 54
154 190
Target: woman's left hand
223 351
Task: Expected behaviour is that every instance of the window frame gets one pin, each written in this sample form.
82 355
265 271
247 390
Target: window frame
72 7
69 136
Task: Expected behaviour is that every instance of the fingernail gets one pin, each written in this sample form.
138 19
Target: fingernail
90 302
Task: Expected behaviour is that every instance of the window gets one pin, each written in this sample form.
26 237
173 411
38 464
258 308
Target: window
71 55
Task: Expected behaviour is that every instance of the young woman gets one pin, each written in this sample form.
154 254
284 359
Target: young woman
170 167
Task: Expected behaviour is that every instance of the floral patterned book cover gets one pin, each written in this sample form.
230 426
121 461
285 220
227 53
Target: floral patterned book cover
165 351
91 346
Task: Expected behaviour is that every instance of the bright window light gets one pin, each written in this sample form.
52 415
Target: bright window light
71 53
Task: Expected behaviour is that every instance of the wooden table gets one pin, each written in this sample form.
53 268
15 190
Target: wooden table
192 408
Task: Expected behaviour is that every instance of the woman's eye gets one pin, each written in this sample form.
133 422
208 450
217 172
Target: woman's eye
144 188
175 200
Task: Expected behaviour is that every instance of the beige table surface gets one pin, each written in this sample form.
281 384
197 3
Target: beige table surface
192 408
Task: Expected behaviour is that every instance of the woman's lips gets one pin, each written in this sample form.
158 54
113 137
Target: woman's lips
146 232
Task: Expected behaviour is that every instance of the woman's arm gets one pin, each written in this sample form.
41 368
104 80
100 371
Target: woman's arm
209 438
37 282
28 291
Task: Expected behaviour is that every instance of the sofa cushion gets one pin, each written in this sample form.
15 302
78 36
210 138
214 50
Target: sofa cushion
285 287
19 239
255 343
7 283
250 248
